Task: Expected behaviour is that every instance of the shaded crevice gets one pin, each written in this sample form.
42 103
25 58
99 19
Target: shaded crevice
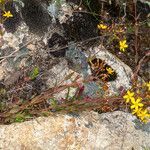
80 26
36 16
56 41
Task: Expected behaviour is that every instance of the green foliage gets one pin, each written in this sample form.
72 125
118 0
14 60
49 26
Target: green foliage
19 119
34 73
145 148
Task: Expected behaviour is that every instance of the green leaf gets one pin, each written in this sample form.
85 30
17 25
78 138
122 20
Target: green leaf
19 118
34 73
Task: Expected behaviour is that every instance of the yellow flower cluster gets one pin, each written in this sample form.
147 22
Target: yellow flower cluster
116 32
137 107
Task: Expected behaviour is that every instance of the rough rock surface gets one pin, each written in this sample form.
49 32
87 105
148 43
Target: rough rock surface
86 131
124 72
80 65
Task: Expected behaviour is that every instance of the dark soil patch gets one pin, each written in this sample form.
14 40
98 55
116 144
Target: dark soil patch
80 26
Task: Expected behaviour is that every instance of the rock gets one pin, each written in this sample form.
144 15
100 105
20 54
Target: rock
78 62
80 26
60 73
36 16
10 41
57 73
86 131
12 78
2 73
124 72
14 49
60 10
56 41
77 59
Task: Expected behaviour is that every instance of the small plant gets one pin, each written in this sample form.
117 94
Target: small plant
123 45
34 73
5 14
19 118
135 99
115 32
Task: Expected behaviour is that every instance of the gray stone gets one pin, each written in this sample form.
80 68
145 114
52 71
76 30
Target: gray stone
79 64
124 72
85 131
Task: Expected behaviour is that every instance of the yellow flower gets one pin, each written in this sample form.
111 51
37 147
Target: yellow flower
101 26
128 96
7 14
110 71
123 45
148 85
143 115
136 111
2 1
136 104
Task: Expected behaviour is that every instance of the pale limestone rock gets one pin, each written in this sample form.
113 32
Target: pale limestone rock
86 131
57 73
61 74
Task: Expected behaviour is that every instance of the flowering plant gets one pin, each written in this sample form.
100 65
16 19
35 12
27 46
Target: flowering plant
136 103
4 14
